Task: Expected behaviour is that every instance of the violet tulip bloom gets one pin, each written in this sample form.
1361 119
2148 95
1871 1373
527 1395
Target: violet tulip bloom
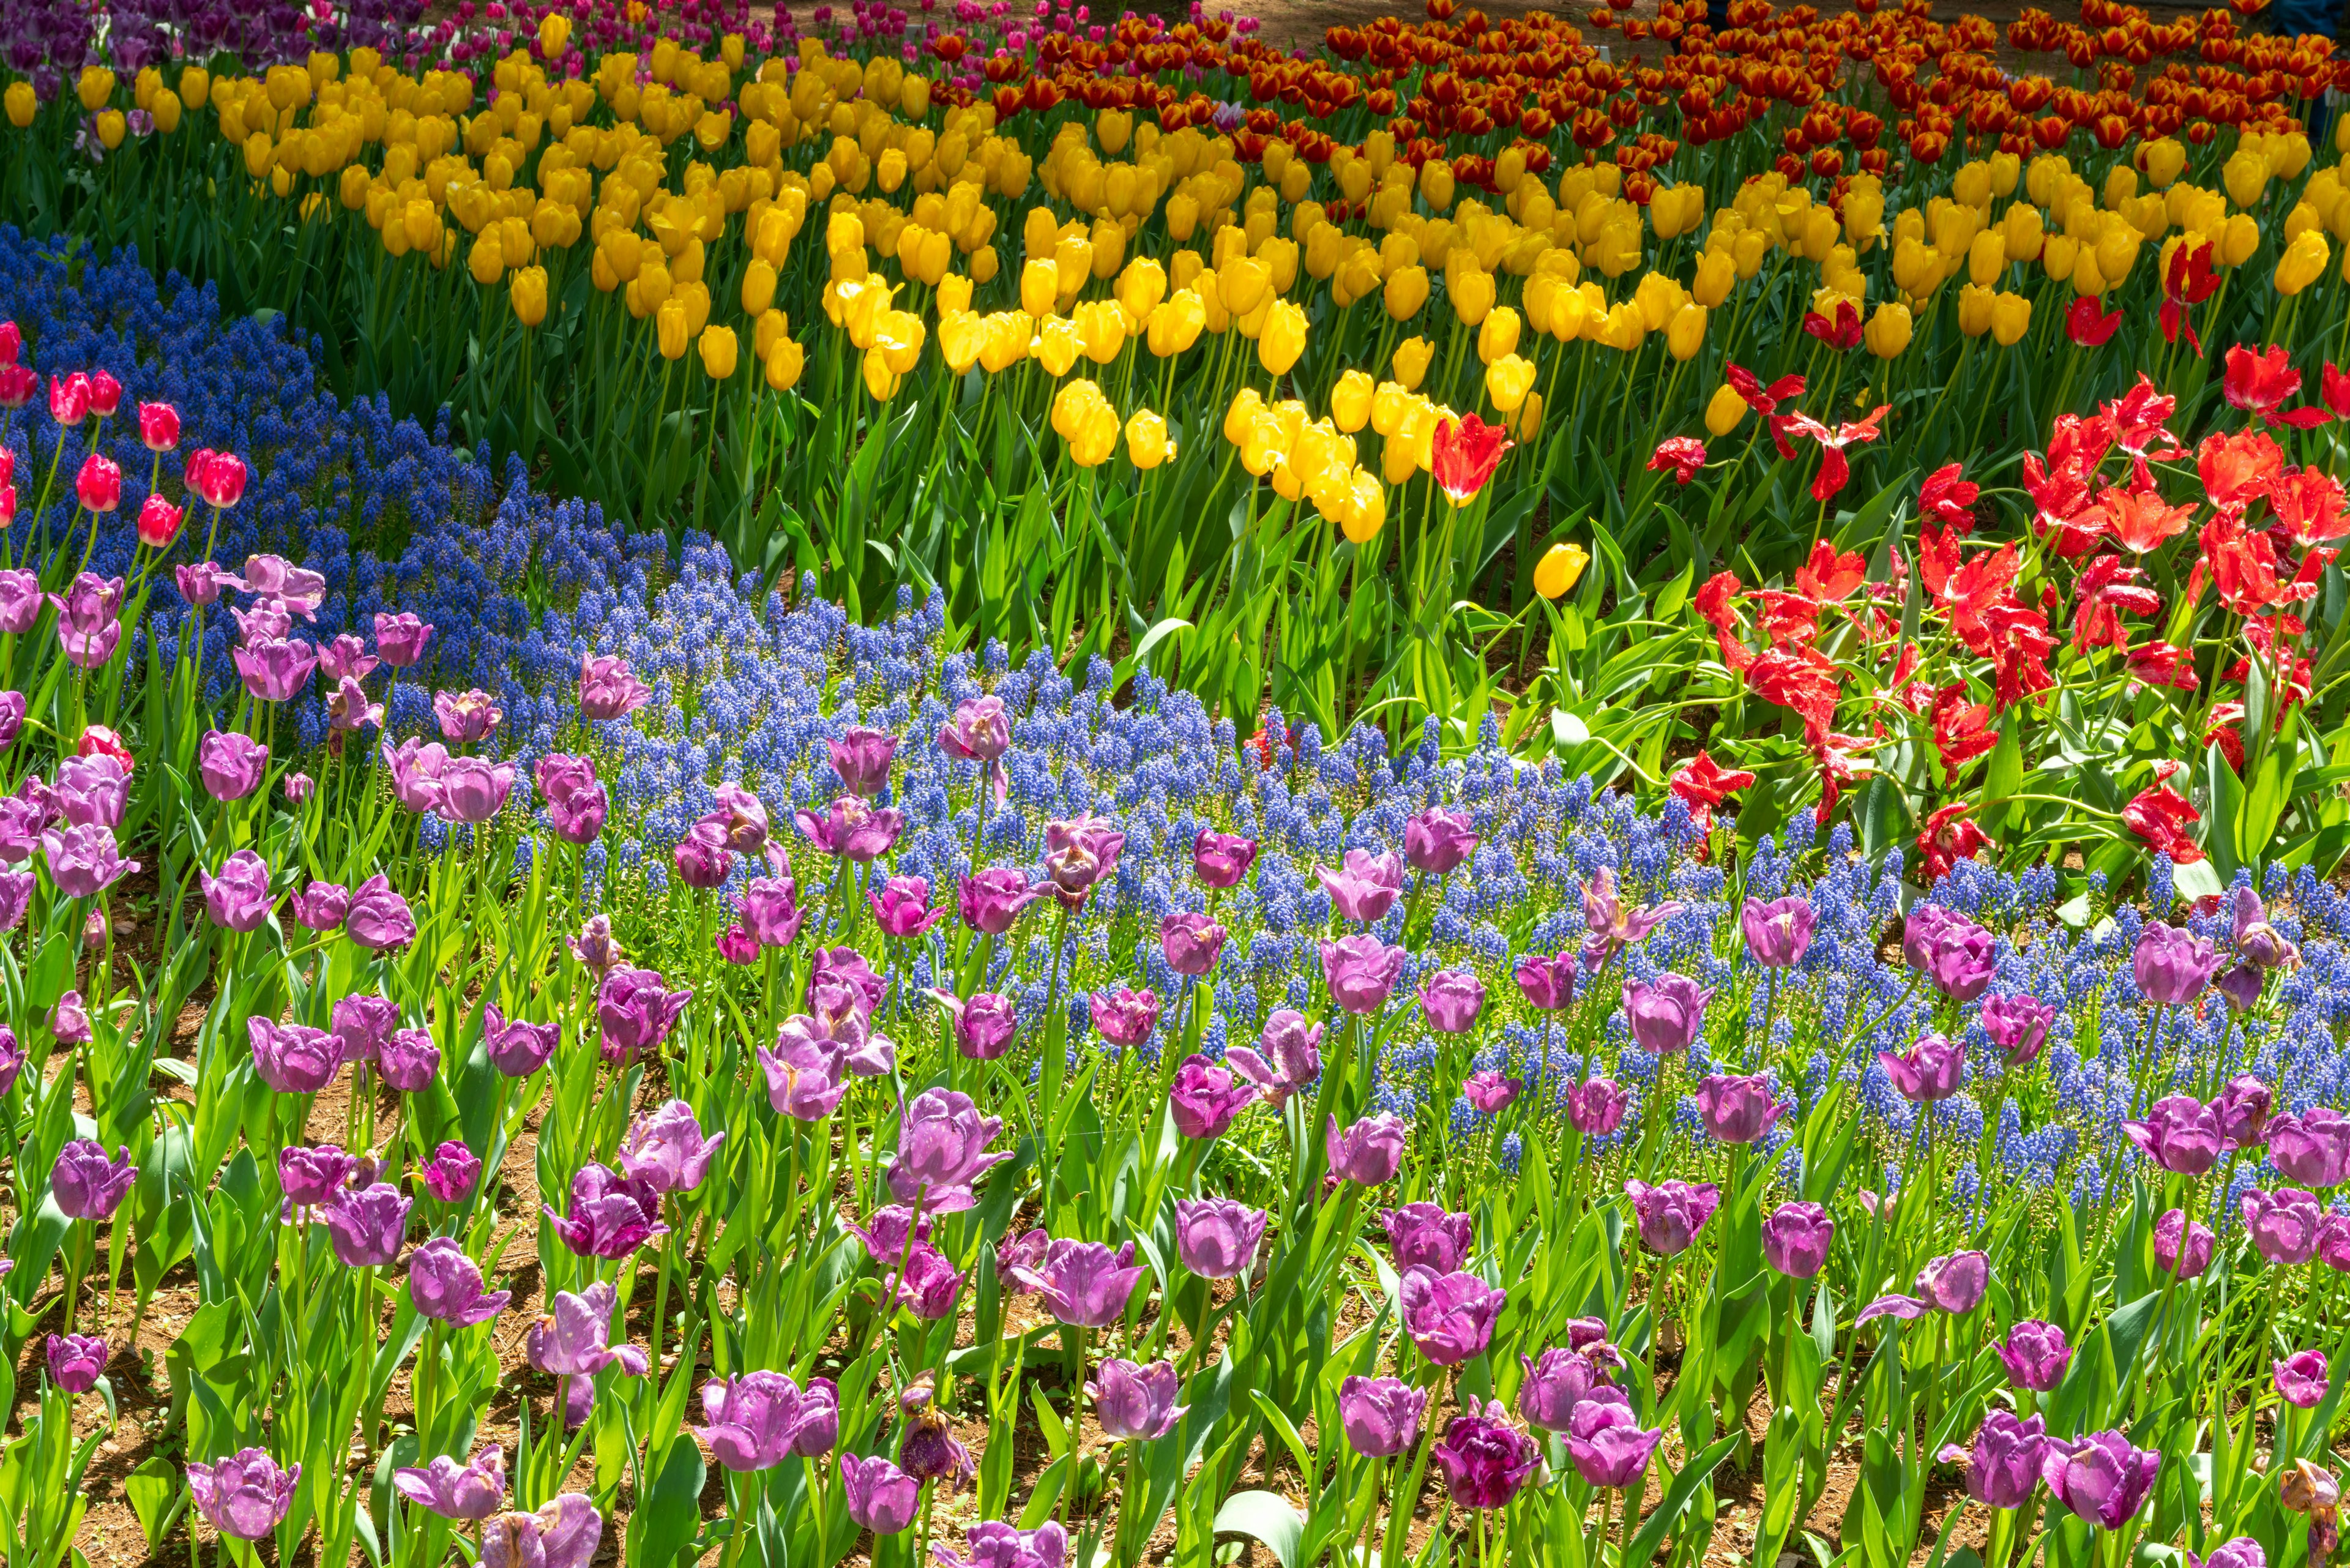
1666 1013
1365 885
1291 1060
901 907
609 1215
2243 1108
1381 1416
772 912
466 717
1956 954
310 1176
2100 1477
1932 1069
1610 925
983 1026
665 1147
1079 852
1437 840
2284 1224
1367 1153
86 1185
2003 1465
563 1534
2241 1552
230 763
880 1496
2018 1025
852 830
321 906
1489 1091
1672 1212
1217 1237
2182 1246
1193 943
1737 1110
862 759
636 1011
238 899
454 1490
804 1091
1125 1017
1360 970
84 860
1597 1106
1448 1316
941 1150
445 1284
409 1061
1204 1098
979 731
1486 1461
989 901
244 1495
1554 1384
1955 1282
2312 1148
1795 1238
998 1545
1222 860
1546 980
292 1058
92 790
2180 1134
754 1420
366 1224
2172 966
927 1285
275 668
75 1361
1608 1445
1778 933
1427 1234
513 1047
574 1338
69 1020
362 1025
453 1172
1083 1283
2035 1355
576 804
607 689
1135 1404
1451 999
379 918
2300 1379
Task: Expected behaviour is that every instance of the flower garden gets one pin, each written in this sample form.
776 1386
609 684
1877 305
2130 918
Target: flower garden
991 788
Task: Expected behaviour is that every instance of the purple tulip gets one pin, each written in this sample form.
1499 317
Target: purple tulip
75 1361
574 1338
1365 885
362 1027
1221 859
1360 970
513 1047
2172 966
2182 1246
2180 1134
888 1231
1437 840
1205 1098
231 765
1596 1106
1489 1091
576 804
2243 1110
941 1150
379 919
2100 1477
1289 1062
978 733
1778 933
416 767
1451 999
1956 954
995 1546
1448 1316
92 791
238 899
1955 1282
1546 980
70 1020
366 1224
1425 1234
310 1176
1079 852
2312 1148
275 669
1667 1014
2003 1466
466 717
1608 1445
1135 1404
929 1284
1672 1212
862 759
2283 1223
84 860
453 1170
1486 1461
901 907
245 1494
990 900
609 1215
1610 925
16 889
753 1419
881 1498
445 1284
1193 943
409 1061
1555 1382
2035 1355
636 1013
2241 1552
1932 1069
1083 1283
852 830
1367 1153
402 638
1381 1416
563 1534
2240 985
453 1491
321 906
2301 1378
1901 1308
665 1147
1217 1237
1795 1238
772 912
607 689
2333 1242
200 585
1125 1017
2018 1025
86 1185
291 1058
1737 1110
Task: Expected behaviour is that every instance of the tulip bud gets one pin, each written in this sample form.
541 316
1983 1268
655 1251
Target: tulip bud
1560 569
1410 362
1724 412
784 362
718 351
2010 318
527 291
1147 445
1888 330
1350 401
668 325
1684 333
1499 335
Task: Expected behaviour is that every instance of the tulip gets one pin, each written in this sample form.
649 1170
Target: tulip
2172 966
880 1496
238 899
942 1150
99 485
2312 1148
1737 1110
159 523
2035 1355
990 900
1135 1404
245 1494
159 426
445 1284
2018 1025
2004 1464
453 1491
2284 1224
1360 970
1954 1284
2100 1477
1426 1235
1221 859
1795 1238
636 1013
2180 1134
1217 1237
1546 981
1778 933
2181 1246
1560 569
1083 1283
862 759
86 1185
665 1147
2300 1379
75 1361
754 1420
1448 1316
1289 1062
563 1534
366 1224
452 1173
379 918
1380 1416
607 689
1451 1001
574 1339
1608 1445
290 1058
609 1215
1204 1098
1671 1213
1367 1153
1932 1069
231 765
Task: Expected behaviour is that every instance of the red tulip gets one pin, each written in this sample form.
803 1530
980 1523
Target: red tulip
1950 837
2085 325
99 485
218 477
69 399
1465 454
1683 455
12 343
1947 496
97 740
159 426
105 394
2260 383
2160 815
17 385
159 523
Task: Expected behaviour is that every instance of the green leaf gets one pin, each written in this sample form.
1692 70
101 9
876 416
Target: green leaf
664 1523
1676 1499
157 1490
1267 1517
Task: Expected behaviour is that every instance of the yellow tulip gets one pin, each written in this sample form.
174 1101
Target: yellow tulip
1499 335
2010 318
1975 304
2245 175
668 327
1716 271
2021 229
111 127
527 288
1147 445
1350 401
1039 288
1888 330
1240 414
1057 345
772 328
1363 508
1560 569
1472 297
1410 361
1279 346
1436 184
1406 292
2303 263
195 86
879 379
1242 284
1684 333
486 261
758 287
22 105
1176 323
784 363
554 33
2239 237
1509 379
1527 423
1724 410
96 86
718 351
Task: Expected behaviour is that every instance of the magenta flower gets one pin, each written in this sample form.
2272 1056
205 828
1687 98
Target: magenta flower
1955 1282
1291 1060
901 907
1448 1316
607 689
2300 1379
1778 933
1609 925
1932 1069
274 669
1451 999
83 860
366 1224
942 1150
563 1534
1365 885
1360 970
880 1496
852 828
1490 1091
86 1185
2018 1025
2035 1355
75 1361
310 1176
466 717
2284 1224
989 900
1079 852
379 918
2243 1108
574 1338
978 733
1438 839
1737 1110
2312 1148
1221 859
1596 1106
401 639
1205 1098
2182 1246
609 1215
1083 1283
238 899
2003 1466
983 1026
230 763
1554 1385
409 1061
1795 1238
1381 1416
636 1013
1427 1235
1217 1237
772 912
1672 1212
1125 1017
1667 1014
321 906
453 1491
292 1058
245 1494
2180 1134
1193 943
513 1047
1956 954
1367 1153
576 803
754 1420
862 758
445 1284
453 1172
2101 1478
1135 1404
1486 1461
665 1149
